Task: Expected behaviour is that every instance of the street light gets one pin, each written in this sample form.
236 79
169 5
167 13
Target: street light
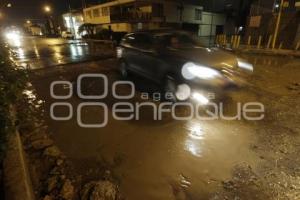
8 5
47 9
28 22
277 24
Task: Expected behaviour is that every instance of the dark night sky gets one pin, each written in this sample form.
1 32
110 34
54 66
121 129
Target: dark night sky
33 9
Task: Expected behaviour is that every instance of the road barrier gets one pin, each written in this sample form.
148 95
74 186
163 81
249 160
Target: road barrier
297 46
250 42
269 41
259 42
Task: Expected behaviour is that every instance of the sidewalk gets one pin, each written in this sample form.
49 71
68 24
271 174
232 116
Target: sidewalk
16 176
238 44
271 52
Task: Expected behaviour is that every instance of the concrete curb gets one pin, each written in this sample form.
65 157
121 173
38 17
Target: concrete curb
17 183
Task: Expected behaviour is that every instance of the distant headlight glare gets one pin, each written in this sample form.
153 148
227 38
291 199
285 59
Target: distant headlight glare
13 35
190 71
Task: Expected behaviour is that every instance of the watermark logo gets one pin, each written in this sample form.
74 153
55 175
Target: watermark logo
126 111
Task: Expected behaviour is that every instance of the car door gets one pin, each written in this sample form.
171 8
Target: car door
149 60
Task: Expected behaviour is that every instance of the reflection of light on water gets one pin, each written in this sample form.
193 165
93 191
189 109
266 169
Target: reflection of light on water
73 51
21 53
76 51
36 51
58 56
80 51
17 43
195 133
184 182
193 148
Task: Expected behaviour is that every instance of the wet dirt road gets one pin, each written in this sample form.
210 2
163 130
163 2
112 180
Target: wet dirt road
193 159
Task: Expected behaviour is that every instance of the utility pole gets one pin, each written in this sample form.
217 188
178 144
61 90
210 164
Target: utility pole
212 21
73 31
181 8
83 4
277 25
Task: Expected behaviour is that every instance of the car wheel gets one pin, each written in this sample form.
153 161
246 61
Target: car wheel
123 69
170 89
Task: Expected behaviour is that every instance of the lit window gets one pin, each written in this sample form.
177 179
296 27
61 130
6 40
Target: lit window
105 11
88 14
96 13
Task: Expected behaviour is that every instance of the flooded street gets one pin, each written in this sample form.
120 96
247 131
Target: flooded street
150 100
152 160
172 159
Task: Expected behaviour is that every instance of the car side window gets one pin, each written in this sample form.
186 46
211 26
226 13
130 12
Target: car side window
143 41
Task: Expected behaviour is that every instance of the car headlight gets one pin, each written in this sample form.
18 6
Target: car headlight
191 70
245 65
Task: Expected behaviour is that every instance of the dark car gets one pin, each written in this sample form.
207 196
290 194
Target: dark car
180 64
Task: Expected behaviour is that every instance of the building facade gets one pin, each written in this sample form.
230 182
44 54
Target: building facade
263 17
33 29
131 15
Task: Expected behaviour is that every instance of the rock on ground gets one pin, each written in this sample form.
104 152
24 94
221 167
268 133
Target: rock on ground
47 197
67 191
51 183
42 144
52 151
101 190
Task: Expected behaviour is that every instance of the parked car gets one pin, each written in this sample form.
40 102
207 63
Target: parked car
180 64
67 35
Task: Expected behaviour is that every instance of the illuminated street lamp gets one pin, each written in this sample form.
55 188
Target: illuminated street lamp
47 9
9 5
50 25
28 22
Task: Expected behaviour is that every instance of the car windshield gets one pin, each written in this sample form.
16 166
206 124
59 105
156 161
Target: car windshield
178 41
